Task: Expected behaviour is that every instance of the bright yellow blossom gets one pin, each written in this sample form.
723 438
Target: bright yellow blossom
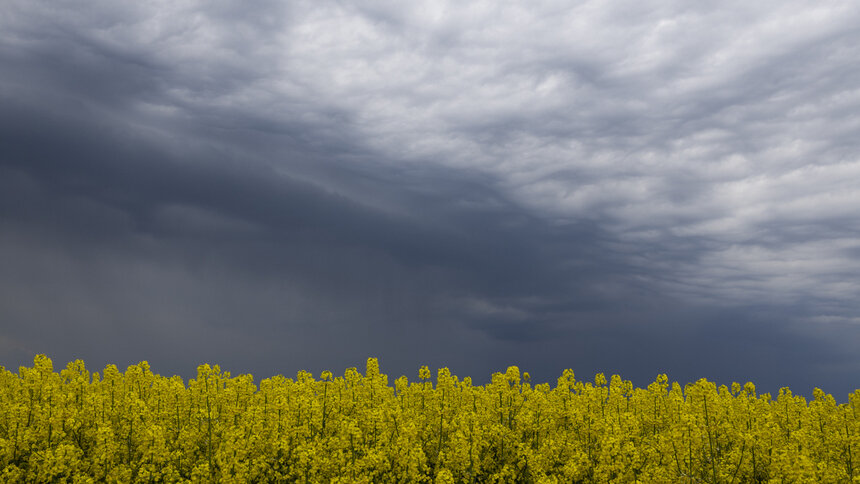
136 426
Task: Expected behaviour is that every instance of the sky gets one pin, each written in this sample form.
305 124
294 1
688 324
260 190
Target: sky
620 187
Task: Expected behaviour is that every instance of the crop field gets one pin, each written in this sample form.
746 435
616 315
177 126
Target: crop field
76 426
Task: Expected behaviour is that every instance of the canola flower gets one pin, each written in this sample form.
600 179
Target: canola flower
136 426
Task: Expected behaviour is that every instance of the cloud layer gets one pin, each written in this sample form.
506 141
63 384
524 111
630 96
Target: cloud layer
609 187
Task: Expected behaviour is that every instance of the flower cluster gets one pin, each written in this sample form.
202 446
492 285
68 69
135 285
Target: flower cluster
136 426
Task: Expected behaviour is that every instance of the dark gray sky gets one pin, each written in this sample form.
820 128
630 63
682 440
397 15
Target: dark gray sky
603 186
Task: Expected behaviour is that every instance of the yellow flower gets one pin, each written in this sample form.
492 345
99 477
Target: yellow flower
424 373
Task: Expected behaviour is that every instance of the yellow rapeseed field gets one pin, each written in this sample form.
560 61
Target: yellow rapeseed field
137 426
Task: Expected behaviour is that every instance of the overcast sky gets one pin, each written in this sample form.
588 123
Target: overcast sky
625 187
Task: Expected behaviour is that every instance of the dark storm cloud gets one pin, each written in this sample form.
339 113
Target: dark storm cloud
610 187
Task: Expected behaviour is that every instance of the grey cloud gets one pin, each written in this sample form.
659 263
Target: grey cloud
644 189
